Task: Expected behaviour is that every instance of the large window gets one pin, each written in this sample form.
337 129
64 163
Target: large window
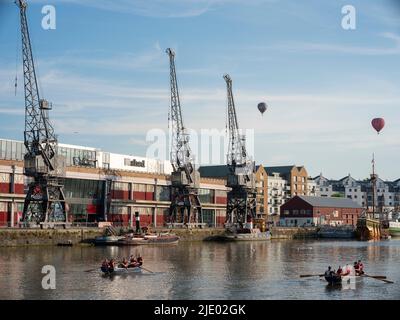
139 187
206 195
119 210
81 188
78 157
163 193
11 150
208 217
121 186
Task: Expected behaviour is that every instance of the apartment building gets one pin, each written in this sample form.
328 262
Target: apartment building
387 192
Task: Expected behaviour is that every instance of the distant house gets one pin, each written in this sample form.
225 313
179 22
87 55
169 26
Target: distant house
308 211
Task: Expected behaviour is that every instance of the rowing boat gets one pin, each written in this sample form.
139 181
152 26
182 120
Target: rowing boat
118 270
335 280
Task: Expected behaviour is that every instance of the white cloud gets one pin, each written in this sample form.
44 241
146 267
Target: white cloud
160 8
394 49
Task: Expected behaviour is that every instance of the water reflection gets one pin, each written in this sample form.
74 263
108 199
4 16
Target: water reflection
264 270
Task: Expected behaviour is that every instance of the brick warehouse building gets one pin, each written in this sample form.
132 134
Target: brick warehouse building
102 186
308 211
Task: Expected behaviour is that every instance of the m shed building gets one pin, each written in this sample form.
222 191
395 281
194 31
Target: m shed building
313 211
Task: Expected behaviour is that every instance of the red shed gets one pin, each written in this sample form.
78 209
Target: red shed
308 211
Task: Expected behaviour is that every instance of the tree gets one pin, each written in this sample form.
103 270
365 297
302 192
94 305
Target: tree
337 195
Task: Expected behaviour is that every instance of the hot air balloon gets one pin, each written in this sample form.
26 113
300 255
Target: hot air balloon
378 124
262 107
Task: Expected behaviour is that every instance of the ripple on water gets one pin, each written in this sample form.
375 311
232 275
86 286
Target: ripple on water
265 270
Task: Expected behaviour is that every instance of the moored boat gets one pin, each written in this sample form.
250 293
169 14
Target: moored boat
245 233
254 235
107 240
394 228
150 239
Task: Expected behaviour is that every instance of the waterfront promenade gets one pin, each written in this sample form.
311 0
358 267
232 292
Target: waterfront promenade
84 236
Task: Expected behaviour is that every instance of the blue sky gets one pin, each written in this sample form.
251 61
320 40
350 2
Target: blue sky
106 71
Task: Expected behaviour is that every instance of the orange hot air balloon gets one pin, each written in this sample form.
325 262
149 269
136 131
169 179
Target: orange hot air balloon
378 124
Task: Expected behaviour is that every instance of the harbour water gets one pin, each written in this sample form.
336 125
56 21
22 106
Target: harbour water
203 270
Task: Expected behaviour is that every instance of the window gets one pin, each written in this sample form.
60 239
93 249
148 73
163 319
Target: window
139 187
208 217
206 195
163 193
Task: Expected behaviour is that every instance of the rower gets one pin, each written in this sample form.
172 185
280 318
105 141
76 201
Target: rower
360 269
124 263
140 260
328 273
132 263
104 265
339 271
346 270
111 265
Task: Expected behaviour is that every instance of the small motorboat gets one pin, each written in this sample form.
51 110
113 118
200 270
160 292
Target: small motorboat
118 270
154 239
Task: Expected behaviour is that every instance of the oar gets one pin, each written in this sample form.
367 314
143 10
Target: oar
311 275
384 280
146 269
90 270
378 277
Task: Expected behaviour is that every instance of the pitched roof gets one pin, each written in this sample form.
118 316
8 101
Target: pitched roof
279 169
220 171
330 202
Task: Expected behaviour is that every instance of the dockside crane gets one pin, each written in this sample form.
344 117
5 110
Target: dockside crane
241 199
45 201
185 179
